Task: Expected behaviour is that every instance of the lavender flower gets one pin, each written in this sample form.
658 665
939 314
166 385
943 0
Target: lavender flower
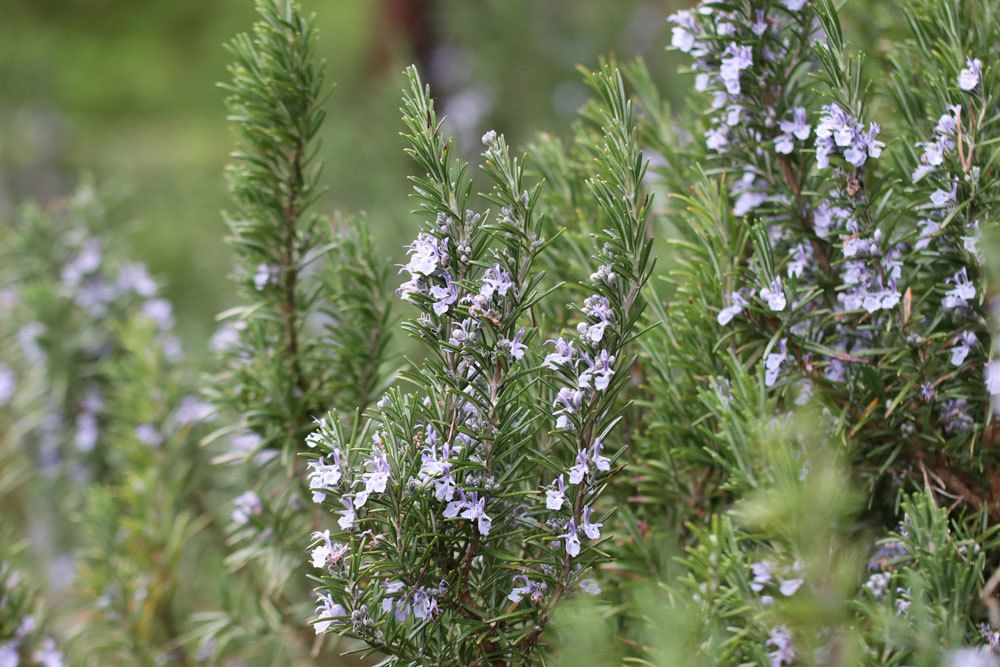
684 30
602 463
323 477
347 515
780 648
993 377
8 384
961 291
571 539
968 78
590 586
514 347
264 276
773 363
532 589
837 131
736 306
591 530
327 554
148 435
563 355
963 345
796 128
246 505
567 401
736 58
327 612
579 470
476 511
426 254
375 478
555 495
774 295
763 574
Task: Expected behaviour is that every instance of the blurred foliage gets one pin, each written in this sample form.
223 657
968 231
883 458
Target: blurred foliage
126 89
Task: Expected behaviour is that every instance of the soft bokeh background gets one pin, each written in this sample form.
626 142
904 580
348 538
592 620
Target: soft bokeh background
124 90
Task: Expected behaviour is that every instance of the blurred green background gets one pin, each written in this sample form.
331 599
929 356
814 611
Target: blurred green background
124 90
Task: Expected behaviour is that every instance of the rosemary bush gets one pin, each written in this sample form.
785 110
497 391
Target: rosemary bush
776 446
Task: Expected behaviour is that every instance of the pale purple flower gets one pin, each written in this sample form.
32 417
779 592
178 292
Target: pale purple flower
347 515
8 654
801 256
733 114
794 5
444 296
161 312
955 415
600 462
961 291
323 477
496 280
970 242
87 432
773 363
476 511
455 507
968 78
796 128
47 655
245 506
392 600
327 553
424 604
562 356
774 295
8 384
590 586
555 495
993 377
928 229
736 305
970 657
375 478
567 401
514 345
789 586
264 276
763 574
532 589
426 254
736 58
878 584
580 468
963 345
327 612
87 261
598 372
463 332
942 198
779 646
684 30
717 138
148 435
591 530
571 539
838 131
835 371
135 278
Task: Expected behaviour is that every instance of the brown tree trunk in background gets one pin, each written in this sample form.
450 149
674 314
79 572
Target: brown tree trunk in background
409 22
